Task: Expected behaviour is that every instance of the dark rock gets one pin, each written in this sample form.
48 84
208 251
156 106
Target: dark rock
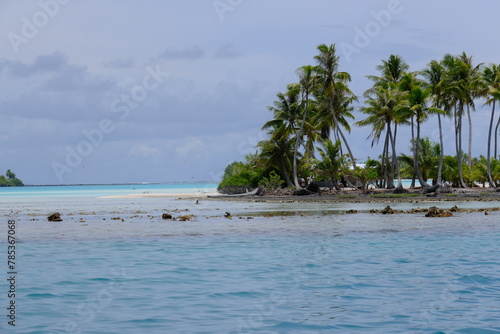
166 216
432 189
185 218
388 211
400 191
435 212
55 217
302 192
313 187
350 212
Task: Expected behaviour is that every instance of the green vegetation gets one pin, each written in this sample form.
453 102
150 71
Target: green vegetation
10 180
306 135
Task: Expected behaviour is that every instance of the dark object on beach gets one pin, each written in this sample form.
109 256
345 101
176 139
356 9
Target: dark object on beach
434 212
388 211
431 189
255 192
373 211
55 217
228 215
350 212
313 187
166 216
185 218
400 190
454 209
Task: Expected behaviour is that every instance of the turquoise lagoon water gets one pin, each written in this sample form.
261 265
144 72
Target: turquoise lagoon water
307 269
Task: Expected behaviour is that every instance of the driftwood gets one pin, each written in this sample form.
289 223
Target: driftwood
254 192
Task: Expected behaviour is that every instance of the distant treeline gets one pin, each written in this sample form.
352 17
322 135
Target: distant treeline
10 180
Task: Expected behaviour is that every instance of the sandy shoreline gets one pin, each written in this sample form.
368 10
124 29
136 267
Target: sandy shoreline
200 195
349 196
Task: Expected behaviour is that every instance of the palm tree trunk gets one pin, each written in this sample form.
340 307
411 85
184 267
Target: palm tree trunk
337 127
488 159
496 138
394 158
441 153
384 164
458 144
298 141
412 186
423 183
388 166
285 173
469 160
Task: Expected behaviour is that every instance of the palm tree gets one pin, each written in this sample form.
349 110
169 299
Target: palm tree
434 74
287 117
332 91
385 103
491 77
333 165
419 97
306 82
277 154
463 84
455 88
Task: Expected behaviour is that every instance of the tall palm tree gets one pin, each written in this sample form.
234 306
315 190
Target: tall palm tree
333 90
387 90
491 77
284 125
456 88
473 90
434 74
307 81
385 103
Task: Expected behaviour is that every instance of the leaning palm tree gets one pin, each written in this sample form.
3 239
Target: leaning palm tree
333 91
277 154
491 77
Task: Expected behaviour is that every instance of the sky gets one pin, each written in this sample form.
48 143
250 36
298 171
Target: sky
172 91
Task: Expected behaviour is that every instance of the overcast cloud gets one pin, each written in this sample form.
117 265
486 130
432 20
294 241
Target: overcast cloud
153 91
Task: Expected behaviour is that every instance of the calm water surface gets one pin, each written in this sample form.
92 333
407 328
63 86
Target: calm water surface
318 273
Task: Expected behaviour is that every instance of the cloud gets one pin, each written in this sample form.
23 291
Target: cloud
191 144
228 51
192 52
43 63
145 151
120 63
